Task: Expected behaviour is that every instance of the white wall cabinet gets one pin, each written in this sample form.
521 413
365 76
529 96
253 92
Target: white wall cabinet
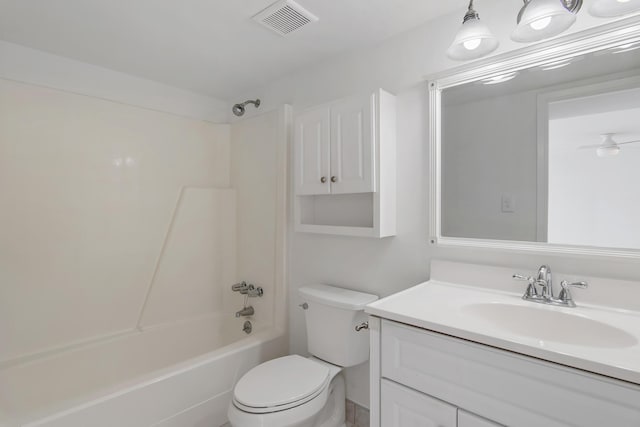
344 167
353 146
334 148
312 167
420 377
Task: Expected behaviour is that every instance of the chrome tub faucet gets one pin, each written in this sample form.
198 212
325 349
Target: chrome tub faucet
245 312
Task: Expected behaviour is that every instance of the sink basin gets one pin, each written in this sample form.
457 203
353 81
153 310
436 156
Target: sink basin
548 324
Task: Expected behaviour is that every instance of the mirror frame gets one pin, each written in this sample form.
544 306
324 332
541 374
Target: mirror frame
598 38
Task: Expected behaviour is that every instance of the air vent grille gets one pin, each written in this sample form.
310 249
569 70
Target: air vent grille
285 17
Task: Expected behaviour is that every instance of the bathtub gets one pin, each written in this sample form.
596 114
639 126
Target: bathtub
176 375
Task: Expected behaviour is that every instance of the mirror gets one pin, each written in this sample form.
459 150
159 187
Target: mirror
540 149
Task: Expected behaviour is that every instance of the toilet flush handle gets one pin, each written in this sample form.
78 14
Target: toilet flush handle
361 326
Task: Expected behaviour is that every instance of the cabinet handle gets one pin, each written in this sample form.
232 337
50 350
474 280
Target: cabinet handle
323 179
334 179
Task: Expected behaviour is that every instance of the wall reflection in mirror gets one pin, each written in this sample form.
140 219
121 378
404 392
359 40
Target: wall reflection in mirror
546 154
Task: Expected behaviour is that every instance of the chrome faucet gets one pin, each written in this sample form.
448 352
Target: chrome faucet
545 281
546 295
245 312
248 290
241 287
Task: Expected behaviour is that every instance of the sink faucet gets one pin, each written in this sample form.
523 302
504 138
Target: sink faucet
545 281
547 296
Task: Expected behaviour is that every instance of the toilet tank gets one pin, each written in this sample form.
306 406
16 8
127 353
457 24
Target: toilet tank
331 315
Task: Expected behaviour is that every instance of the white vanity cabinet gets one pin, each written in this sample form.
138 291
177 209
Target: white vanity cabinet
344 167
423 378
404 407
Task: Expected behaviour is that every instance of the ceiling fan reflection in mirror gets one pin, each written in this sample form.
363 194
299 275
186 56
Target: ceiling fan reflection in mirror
608 147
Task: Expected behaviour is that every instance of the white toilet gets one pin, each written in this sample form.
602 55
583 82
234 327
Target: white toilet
295 391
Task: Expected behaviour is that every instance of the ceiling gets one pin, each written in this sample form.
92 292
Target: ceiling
207 46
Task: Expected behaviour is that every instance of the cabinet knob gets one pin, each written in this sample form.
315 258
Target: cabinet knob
323 179
334 179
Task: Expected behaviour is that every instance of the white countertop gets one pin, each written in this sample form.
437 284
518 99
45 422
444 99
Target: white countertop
441 307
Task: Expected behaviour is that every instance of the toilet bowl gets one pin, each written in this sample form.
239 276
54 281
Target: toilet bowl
290 391
294 391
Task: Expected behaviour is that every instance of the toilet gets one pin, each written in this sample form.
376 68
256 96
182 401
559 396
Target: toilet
296 391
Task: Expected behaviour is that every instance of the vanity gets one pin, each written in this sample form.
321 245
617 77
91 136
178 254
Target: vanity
528 151
465 349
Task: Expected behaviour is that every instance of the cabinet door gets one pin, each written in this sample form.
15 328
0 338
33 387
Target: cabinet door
353 146
403 407
311 152
465 419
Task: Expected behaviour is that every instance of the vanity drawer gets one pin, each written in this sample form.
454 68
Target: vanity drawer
403 407
508 388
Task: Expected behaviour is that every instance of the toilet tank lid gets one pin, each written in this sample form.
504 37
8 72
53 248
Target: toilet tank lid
337 297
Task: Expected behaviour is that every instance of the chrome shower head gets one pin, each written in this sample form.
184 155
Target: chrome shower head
239 109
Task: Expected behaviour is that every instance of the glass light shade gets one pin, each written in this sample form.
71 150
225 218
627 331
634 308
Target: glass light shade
607 151
472 41
541 19
609 8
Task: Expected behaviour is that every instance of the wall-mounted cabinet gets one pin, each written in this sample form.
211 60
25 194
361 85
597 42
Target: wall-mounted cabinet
344 167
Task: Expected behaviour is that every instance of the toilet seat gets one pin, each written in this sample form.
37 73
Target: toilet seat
281 384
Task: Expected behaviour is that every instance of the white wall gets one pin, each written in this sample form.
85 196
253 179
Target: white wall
254 175
490 151
386 266
593 200
27 65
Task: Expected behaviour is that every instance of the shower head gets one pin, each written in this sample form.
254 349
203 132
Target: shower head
239 109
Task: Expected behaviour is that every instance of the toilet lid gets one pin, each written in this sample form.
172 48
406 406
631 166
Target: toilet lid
281 382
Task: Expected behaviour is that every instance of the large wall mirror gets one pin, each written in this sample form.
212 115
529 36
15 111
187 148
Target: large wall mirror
540 149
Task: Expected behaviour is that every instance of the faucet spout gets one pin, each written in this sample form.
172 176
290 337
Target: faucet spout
545 281
245 312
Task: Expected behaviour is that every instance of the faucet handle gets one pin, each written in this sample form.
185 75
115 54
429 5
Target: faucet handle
566 285
529 279
531 289
239 286
565 293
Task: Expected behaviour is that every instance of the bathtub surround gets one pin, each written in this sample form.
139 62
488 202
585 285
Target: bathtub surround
156 216
109 176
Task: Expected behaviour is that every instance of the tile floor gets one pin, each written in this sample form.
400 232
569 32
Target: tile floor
356 415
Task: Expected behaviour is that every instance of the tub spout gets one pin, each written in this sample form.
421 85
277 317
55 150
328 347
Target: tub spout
245 312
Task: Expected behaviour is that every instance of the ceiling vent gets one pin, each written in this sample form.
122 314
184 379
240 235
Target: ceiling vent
285 17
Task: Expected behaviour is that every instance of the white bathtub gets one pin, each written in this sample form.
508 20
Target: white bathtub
173 375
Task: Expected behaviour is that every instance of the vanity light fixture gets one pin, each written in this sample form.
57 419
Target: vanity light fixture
473 40
611 8
541 19
537 20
